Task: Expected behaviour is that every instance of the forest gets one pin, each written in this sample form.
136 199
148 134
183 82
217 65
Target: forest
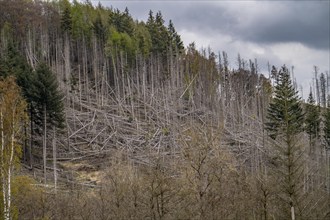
103 116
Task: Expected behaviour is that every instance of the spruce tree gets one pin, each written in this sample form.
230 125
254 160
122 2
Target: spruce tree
159 33
326 127
312 119
284 113
99 29
48 101
176 44
66 19
14 64
285 123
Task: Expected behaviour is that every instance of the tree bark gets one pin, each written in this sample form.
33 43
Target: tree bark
31 139
54 159
44 152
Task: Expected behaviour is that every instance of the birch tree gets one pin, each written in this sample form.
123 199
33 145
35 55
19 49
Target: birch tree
12 118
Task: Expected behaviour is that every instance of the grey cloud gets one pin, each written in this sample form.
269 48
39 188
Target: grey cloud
263 22
303 22
306 22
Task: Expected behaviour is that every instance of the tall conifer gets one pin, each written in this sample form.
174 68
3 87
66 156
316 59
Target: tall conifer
285 123
312 119
49 103
326 127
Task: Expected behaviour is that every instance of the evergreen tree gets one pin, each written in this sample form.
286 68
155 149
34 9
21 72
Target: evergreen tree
143 39
284 113
48 101
326 127
47 94
274 73
158 33
66 19
13 64
285 123
99 28
123 22
312 119
176 44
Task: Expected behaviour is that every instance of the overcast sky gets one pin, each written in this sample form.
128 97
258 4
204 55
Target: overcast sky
295 33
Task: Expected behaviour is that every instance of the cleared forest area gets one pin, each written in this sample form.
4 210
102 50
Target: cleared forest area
122 122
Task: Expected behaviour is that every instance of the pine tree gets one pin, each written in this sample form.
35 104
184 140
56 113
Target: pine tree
312 120
122 22
285 123
176 44
99 29
326 127
284 113
13 64
158 33
66 18
48 102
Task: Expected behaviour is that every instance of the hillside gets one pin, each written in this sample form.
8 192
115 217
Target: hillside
135 126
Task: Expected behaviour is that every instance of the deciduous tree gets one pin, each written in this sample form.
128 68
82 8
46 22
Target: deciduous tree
12 118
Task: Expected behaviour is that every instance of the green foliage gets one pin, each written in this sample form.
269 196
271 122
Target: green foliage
176 44
285 123
66 18
284 113
143 39
14 64
326 128
122 21
99 28
121 42
47 94
82 16
158 32
313 119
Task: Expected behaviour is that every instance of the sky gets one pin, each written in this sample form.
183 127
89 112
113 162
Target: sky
294 33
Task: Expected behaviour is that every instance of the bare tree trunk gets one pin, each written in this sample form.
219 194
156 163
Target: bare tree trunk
3 179
31 139
54 158
292 213
44 152
9 169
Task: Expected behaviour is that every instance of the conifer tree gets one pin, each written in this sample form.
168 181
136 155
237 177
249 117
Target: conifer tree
99 29
175 41
285 123
312 119
66 18
158 33
123 22
13 64
326 127
49 103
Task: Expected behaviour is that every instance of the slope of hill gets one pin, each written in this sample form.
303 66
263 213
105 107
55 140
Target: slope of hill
152 130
